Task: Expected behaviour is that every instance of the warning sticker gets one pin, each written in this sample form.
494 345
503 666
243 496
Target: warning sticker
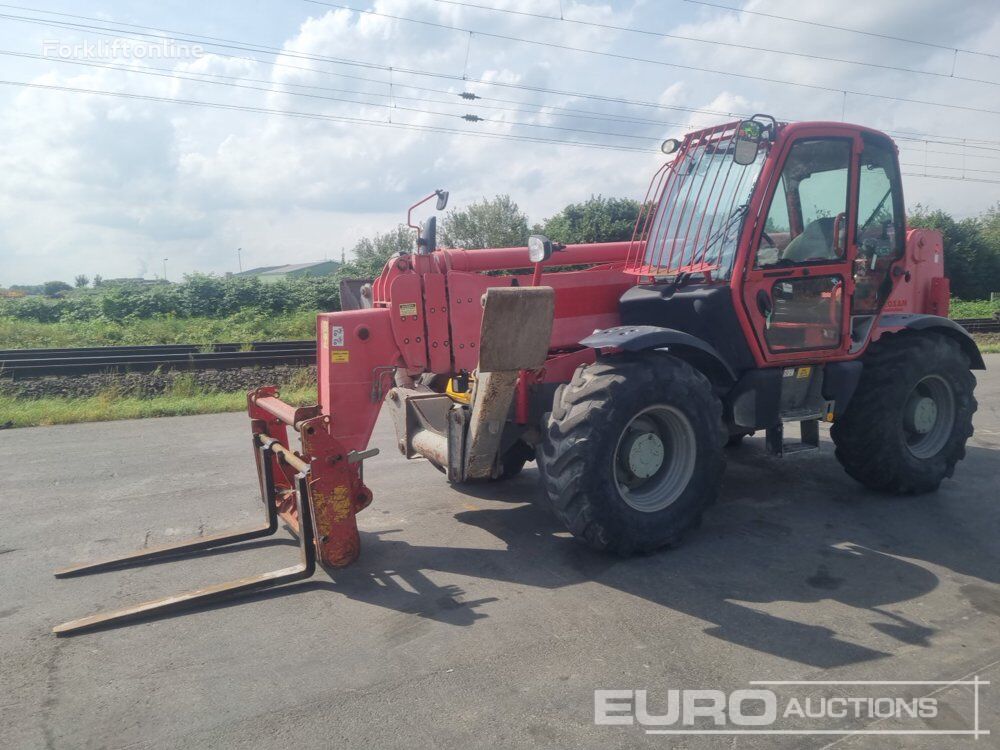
336 336
341 356
407 308
803 372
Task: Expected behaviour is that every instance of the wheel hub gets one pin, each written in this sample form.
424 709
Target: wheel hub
929 416
921 414
655 458
644 453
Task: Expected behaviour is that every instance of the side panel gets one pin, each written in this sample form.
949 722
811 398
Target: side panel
355 348
436 312
703 310
407 315
914 291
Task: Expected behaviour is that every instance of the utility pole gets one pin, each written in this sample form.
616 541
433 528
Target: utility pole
239 258
165 269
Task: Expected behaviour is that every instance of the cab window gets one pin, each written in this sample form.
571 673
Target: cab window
881 229
806 219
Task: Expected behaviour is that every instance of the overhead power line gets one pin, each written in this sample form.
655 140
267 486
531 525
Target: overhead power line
466 101
174 35
716 42
876 34
178 36
951 169
325 117
231 82
652 61
947 177
384 124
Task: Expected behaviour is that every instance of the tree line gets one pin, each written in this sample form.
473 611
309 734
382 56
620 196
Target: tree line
972 261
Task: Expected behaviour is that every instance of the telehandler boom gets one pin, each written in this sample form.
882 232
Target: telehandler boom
771 278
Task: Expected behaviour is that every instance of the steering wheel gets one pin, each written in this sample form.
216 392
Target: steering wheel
766 236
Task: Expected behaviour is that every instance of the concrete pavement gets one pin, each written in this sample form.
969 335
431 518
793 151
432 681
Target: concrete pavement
472 619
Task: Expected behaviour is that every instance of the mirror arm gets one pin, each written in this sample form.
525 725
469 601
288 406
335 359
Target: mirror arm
441 195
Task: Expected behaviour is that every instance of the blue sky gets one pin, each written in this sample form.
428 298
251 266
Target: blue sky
101 185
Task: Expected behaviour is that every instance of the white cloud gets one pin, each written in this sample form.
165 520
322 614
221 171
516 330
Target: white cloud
103 185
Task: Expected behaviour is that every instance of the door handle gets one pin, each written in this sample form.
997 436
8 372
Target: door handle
838 220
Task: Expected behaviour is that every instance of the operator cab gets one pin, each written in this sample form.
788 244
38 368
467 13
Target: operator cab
773 244
797 225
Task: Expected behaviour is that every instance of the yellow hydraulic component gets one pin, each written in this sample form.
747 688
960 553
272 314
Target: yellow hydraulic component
462 397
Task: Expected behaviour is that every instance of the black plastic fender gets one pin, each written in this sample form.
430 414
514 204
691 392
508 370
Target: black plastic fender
892 322
702 355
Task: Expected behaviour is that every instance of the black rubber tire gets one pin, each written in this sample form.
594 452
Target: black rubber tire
735 441
581 435
869 435
514 460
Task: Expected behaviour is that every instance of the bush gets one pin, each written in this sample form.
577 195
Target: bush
198 296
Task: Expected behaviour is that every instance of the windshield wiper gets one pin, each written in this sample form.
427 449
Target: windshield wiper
736 215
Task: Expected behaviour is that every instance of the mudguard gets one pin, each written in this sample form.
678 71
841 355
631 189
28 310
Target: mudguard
639 338
894 322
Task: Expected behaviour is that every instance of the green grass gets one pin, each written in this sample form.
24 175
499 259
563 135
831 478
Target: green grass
242 327
979 308
184 397
107 407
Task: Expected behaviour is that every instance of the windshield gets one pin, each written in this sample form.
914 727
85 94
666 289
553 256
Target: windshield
700 210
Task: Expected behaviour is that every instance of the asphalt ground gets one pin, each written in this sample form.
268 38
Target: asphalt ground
472 619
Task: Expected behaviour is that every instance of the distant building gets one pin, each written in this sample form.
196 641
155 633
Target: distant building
270 274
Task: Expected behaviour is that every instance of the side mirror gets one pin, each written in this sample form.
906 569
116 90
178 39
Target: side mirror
748 137
442 201
539 248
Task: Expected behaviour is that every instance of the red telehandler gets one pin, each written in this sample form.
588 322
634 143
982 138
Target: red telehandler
770 279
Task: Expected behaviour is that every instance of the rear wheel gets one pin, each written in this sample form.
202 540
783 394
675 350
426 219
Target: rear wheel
632 453
907 425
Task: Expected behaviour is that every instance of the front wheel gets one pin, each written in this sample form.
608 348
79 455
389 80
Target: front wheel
907 425
632 453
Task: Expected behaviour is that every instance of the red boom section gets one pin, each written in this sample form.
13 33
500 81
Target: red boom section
426 317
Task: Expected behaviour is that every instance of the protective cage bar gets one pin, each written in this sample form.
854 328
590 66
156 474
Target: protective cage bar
686 205
267 450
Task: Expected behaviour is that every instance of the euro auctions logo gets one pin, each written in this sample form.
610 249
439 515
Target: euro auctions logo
800 707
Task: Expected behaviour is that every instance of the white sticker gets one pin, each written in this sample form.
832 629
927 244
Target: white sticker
788 372
336 336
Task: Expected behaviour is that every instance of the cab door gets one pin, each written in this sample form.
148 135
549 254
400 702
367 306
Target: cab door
798 284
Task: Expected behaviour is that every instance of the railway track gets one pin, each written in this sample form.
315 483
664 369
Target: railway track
979 325
35 363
